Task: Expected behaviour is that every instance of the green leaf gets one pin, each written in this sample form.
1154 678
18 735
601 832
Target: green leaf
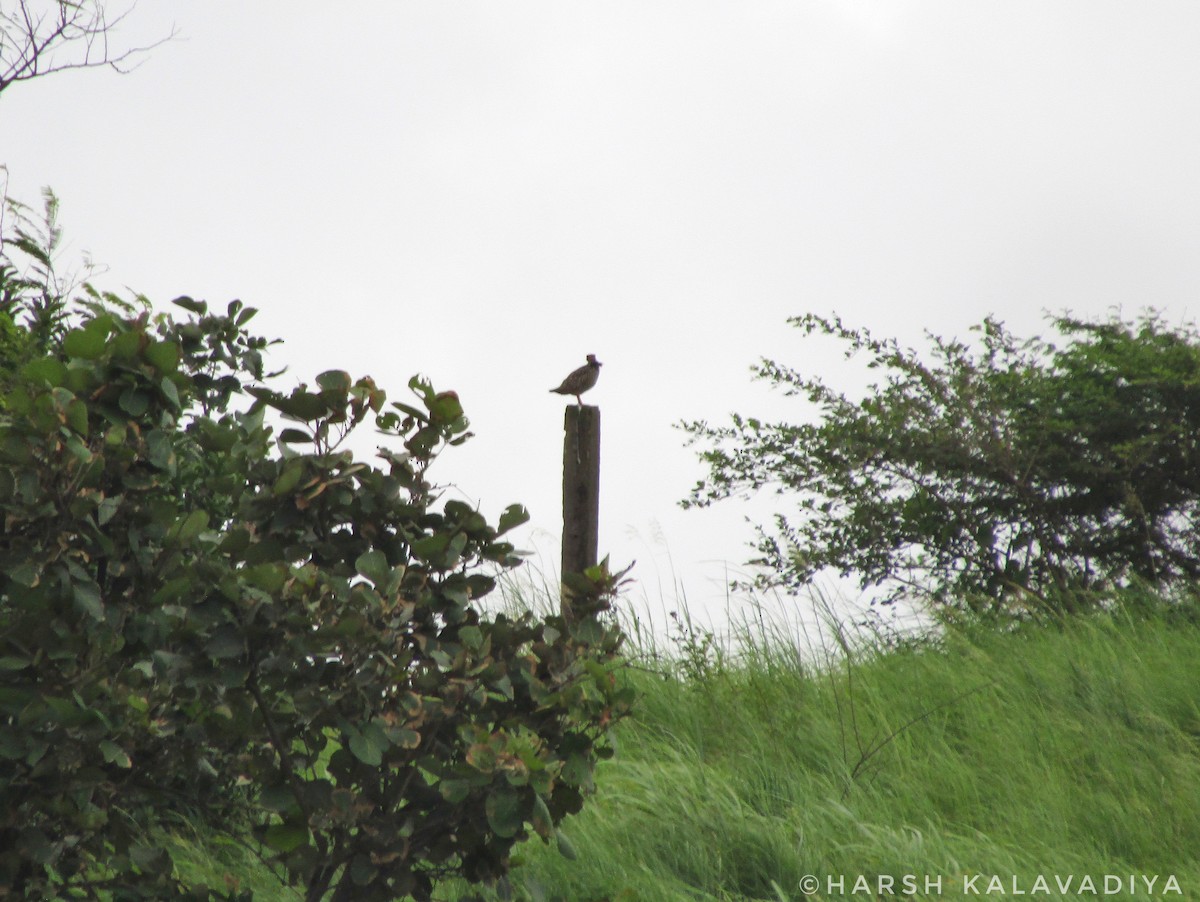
335 380
374 566
514 515
285 837
114 754
482 757
126 345
87 343
454 790
565 849
427 547
162 355
188 526
279 799
446 407
87 597
540 818
577 771
294 435
471 636
159 449
77 448
422 443
217 438
503 809
12 747
25 574
421 388
289 477
187 303
409 410
405 738
134 402
455 549
46 369
266 576
170 391
301 405
77 416
367 746
107 509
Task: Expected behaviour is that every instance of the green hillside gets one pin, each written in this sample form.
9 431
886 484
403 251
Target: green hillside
970 768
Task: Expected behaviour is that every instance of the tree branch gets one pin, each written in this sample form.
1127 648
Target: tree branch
75 35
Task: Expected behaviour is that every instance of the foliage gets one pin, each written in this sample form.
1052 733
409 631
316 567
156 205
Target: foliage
198 613
1012 753
34 292
992 473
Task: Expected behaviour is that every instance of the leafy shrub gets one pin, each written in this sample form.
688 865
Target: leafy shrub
1010 473
198 613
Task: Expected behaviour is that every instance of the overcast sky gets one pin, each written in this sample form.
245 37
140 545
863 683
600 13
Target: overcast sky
485 192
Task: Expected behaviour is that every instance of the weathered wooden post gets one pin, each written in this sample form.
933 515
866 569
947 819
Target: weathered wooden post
581 493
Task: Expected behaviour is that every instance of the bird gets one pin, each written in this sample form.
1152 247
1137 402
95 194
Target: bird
580 380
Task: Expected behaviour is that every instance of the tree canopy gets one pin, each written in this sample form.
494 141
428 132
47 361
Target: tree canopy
986 474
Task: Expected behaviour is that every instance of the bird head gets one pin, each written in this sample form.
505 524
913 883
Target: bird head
592 361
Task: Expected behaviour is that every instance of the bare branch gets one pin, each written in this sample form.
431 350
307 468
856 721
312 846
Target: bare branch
39 37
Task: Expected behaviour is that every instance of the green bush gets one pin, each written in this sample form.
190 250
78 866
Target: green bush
198 613
1010 473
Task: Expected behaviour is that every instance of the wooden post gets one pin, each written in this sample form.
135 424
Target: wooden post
581 491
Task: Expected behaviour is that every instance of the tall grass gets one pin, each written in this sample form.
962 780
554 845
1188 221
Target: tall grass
1049 751
1057 751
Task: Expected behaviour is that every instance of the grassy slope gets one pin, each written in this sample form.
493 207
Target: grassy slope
1042 752
1046 751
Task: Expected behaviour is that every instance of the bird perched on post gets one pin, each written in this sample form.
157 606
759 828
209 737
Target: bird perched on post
580 380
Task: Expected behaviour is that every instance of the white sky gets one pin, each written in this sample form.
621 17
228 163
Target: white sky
485 192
